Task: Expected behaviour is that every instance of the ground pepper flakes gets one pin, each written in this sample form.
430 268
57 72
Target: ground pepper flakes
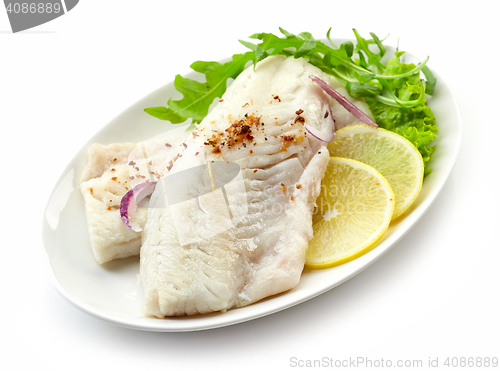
240 131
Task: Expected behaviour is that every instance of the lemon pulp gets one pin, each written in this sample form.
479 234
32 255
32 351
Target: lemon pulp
352 213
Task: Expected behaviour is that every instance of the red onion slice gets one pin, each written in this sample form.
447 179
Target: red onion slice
344 102
128 205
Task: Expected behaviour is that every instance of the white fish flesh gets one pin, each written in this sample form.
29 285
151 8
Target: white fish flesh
245 241
113 170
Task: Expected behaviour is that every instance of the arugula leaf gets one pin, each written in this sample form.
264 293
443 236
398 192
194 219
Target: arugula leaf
431 80
377 41
373 58
198 96
359 89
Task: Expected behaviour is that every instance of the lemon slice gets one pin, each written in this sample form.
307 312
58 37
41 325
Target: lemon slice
352 213
391 154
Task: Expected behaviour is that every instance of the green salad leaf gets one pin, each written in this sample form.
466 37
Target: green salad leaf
394 91
198 96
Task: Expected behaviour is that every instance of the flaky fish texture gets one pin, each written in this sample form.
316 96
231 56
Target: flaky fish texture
246 240
113 170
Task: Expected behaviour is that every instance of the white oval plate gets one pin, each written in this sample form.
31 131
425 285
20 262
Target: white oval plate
112 291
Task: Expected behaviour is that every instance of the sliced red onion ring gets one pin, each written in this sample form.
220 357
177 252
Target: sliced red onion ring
344 102
318 136
128 205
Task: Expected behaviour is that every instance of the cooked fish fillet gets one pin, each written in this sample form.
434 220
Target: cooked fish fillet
110 173
247 240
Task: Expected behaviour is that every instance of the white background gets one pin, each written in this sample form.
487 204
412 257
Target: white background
434 295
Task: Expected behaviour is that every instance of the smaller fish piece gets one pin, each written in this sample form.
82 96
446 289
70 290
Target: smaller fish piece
112 170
